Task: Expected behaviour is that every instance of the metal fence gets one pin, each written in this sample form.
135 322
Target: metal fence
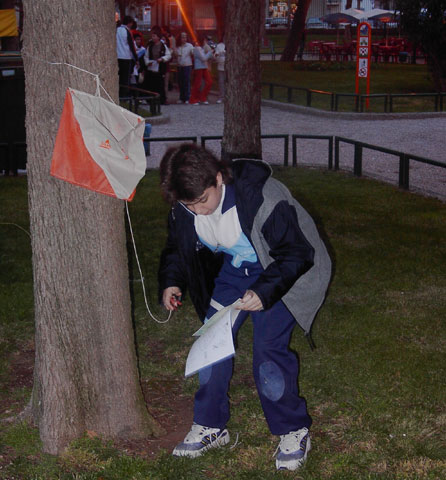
137 96
333 152
404 159
310 95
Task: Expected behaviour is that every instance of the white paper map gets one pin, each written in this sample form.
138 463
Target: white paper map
214 342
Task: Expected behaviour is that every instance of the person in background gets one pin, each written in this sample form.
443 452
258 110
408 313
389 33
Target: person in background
140 51
155 59
126 53
202 53
134 30
300 53
170 42
219 55
184 54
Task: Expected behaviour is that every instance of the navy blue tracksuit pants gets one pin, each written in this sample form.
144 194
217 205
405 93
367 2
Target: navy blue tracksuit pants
275 367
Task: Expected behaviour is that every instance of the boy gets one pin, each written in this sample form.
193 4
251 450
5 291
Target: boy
234 232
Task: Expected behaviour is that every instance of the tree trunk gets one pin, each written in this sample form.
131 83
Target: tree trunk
437 66
241 133
85 375
296 32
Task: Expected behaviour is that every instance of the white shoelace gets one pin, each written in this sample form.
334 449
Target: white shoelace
289 440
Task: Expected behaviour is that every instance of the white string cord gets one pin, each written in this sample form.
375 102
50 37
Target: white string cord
18 226
140 271
98 94
96 75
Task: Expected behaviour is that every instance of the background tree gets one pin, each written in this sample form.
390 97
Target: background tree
424 22
220 13
85 374
241 133
296 32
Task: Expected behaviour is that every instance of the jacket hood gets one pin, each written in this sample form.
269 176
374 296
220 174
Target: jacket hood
249 176
253 170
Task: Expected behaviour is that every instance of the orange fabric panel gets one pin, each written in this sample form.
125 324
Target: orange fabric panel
71 160
8 23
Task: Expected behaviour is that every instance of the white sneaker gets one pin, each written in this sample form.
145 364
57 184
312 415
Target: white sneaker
195 103
186 102
219 100
179 101
206 103
293 450
199 440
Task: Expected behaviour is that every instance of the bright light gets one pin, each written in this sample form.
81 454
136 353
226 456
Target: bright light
186 19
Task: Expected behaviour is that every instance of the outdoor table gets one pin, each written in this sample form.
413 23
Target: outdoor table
388 52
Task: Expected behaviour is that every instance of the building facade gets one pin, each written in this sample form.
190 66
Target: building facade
201 14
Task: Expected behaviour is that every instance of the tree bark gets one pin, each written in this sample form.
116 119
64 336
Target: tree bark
85 375
296 32
241 133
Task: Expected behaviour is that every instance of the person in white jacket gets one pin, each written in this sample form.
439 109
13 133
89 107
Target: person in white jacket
126 53
202 53
219 54
184 54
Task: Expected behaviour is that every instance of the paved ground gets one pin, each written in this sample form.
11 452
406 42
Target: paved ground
423 136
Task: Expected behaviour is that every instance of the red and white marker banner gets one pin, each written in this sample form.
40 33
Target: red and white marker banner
363 55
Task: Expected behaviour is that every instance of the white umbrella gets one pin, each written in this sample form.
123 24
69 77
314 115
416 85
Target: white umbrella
384 16
376 12
354 12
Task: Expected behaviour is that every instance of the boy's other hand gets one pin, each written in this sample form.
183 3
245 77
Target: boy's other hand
251 302
171 298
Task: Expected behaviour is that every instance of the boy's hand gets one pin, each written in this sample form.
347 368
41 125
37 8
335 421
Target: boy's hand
251 302
171 298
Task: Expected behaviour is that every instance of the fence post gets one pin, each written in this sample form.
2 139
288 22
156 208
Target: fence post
330 153
332 100
271 91
294 145
336 164
404 172
286 146
357 165
359 103
308 98
290 95
390 103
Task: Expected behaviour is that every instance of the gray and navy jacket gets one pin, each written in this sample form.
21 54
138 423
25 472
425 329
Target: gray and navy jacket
297 267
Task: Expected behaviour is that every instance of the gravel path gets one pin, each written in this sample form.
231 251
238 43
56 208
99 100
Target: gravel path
419 135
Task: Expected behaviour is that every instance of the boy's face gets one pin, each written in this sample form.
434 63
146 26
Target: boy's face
209 200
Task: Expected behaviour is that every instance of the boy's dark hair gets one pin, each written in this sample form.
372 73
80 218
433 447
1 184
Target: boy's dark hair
127 20
188 170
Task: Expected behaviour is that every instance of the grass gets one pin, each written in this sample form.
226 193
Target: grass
340 78
374 386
